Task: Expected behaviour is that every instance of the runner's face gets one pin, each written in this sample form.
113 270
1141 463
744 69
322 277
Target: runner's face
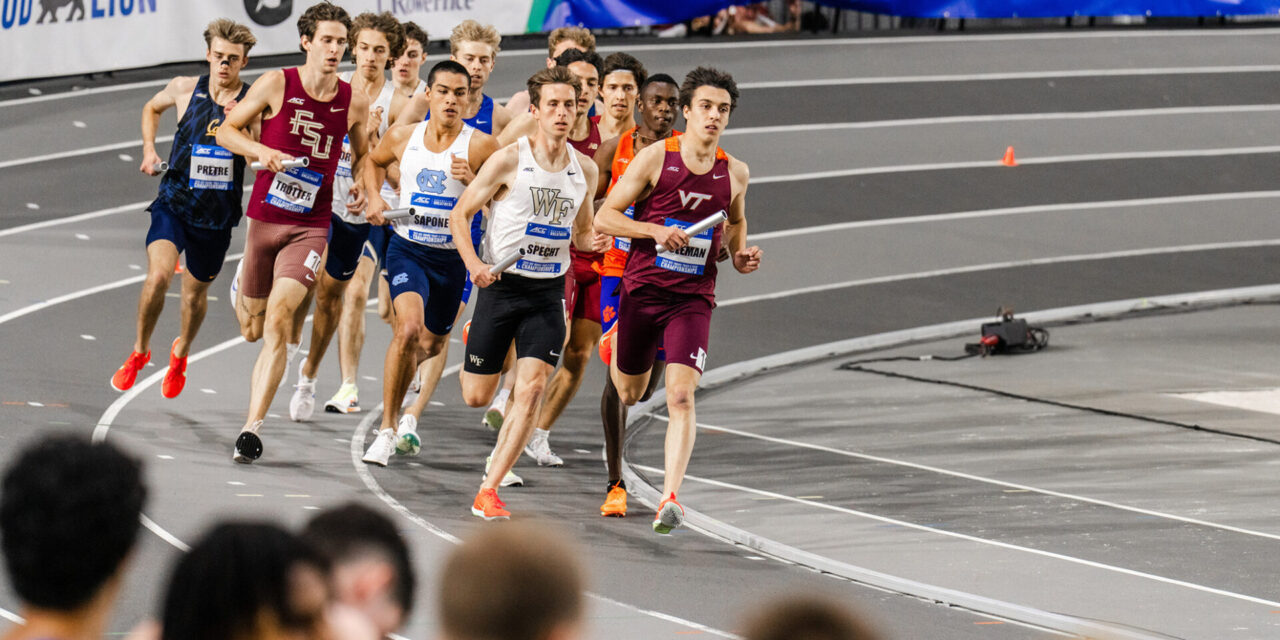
325 49
409 63
447 97
556 109
225 61
478 58
590 79
658 107
371 52
619 93
708 113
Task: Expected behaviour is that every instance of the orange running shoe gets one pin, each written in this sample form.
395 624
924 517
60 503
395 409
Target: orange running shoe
123 378
615 504
670 515
176 378
488 506
466 332
606 345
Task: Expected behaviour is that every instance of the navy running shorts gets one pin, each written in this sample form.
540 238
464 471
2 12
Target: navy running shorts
205 248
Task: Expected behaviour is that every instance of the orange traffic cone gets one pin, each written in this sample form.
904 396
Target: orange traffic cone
1008 160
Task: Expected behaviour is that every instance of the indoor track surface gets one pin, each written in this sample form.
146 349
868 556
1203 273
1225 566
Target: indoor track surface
1147 164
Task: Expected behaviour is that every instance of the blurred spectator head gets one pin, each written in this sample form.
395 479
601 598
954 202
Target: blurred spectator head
369 565
708 77
69 515
515 582
805 618
246 580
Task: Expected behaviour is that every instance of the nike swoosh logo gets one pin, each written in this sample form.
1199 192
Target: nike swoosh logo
201 95
482 122
716 177
555 355
332 110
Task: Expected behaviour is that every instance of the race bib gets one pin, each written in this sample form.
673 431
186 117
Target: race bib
545 250
211 168
692 258
431 219
624 244
295 189
344 160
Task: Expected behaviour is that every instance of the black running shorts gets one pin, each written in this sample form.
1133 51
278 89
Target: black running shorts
529 311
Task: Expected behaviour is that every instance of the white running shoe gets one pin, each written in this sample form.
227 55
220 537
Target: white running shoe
248 445
291 352
415 385
493 416
407 441
303 402
383 445
540 450
346 400
235 284
509 480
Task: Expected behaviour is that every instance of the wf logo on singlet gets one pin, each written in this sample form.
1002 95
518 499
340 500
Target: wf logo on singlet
431 181
305 121
547 202
692 196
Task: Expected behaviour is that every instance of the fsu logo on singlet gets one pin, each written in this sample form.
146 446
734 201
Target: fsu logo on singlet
305 121
547 202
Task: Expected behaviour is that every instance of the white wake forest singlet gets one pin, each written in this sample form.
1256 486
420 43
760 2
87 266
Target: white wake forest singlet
537 216
389 193
342 180
426 186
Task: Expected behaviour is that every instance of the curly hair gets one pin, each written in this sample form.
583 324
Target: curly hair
708 77
384 23
413 32
324 11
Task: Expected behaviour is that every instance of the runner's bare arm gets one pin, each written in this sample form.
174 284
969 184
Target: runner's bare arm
604 162
478 151
414 111
518 103
264 97
494 176
358 133
521 125
157 105
633 186
585 237
388 151
745 259
501 118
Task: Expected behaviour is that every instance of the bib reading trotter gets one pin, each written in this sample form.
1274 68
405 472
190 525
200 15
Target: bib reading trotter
690 259
295 189
211 168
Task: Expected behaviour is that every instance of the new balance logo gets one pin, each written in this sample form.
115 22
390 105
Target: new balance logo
298 101
692 196
547 202
304 122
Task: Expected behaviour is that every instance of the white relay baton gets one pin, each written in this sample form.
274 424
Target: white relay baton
160 167
506 262
288 164
396 214
701 225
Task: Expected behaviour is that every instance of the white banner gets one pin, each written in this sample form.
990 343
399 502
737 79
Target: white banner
40 38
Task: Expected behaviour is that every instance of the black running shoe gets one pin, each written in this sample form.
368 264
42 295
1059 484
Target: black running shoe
248 447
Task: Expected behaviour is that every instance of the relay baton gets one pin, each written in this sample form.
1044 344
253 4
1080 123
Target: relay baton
396 214
288 164
160 167
701 225
506 262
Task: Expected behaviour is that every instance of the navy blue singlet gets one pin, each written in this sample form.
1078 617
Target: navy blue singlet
204 183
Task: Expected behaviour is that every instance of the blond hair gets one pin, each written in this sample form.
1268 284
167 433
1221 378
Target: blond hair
231 31
472 31
580 36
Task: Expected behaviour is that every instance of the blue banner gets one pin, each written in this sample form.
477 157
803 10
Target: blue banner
603 14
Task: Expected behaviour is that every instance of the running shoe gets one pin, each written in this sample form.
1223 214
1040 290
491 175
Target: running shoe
176 377
345 400
606 345
407 441
235 284
415 385
303 402
122 379
248 445
615 503
508 480
540 450
487 505
383 445
493 417
670 516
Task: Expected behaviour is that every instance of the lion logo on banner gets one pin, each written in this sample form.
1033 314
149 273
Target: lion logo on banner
50 8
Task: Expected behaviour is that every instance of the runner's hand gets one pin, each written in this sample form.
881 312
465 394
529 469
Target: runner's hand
482 278
460 170
600 242
374 209
149 160
375 122
747 260
356 201
273 160
673 238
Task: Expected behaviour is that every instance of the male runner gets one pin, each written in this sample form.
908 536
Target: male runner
619 88
659 96
406 83
582 286
306 111
199 199
539 188
667 298
558 41
438 158
377 38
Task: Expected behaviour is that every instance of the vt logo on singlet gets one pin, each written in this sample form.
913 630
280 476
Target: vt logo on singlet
431 181
692 196
305 120
547 202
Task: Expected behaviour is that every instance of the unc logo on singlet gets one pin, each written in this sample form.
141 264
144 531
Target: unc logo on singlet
304 125
431 210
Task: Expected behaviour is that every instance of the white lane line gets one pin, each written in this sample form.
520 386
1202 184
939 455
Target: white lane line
371 483
75 295
994 543
133 206
982 479
1012 211
1005 117
1012 75
61 155
1010 264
